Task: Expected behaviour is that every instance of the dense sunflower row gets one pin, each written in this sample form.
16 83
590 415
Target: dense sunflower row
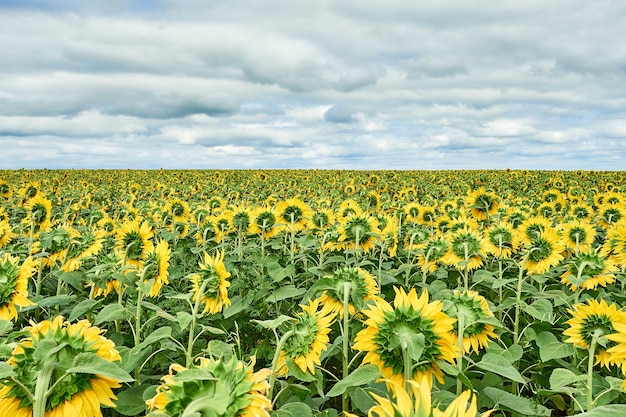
350 290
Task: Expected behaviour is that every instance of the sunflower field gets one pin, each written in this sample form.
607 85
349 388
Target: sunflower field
312 293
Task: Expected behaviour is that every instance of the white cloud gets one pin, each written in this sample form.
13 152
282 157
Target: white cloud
385 84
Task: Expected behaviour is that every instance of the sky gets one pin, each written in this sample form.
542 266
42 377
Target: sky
313 84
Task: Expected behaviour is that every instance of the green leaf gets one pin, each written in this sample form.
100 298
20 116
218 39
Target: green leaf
541 310
130 402
295 409
273 324
111 312
551 348
285 292
6 370
5 326
613 410
82 308
361 376
159 311
520 405
184 319
361 399
56 300
563 377
155 336
75 279
90 363
195 375
277 273
499 365
237 305
296 372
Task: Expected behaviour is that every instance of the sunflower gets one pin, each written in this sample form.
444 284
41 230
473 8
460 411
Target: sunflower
30 190
156 267
416 236
240 219
362 287
177 210
587 270
348 207
323 219
6 233
295 213
103 280
372 199
467 250
222 225
14 284
216 204
476 332
618 351
133 241
213 276
213 387
594 318
263 221
77 394
88 244
412 212
482 204
463 222
38 213
309 338
358 231
427 215
615 243
390 331
442 224
389 233
578 236
501 240
417 402
609 214
543 252
532 228
5 190
433 253
580 211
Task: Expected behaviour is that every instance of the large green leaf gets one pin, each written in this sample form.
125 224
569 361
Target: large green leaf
499 365
90 363
613 410
551 348
111 312
361 376
520 405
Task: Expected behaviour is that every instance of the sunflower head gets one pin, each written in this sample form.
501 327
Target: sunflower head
14 284
210 283
214 387
156 268
133 241
308 337
543 252
476 314
467 250
594 319
587 270
358 231
65 345
361 287
391 333
482 204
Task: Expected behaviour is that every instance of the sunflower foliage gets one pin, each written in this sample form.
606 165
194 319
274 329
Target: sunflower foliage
312 293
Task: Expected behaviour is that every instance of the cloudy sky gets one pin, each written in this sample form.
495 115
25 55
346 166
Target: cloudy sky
348 84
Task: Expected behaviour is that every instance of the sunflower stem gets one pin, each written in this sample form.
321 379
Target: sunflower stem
41 389
460 316
465 267
592 348
425 266
192 325
279 347
346 340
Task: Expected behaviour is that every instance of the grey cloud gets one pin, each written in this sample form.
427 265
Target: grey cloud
339 114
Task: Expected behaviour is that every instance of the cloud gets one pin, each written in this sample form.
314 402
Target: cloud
351 84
